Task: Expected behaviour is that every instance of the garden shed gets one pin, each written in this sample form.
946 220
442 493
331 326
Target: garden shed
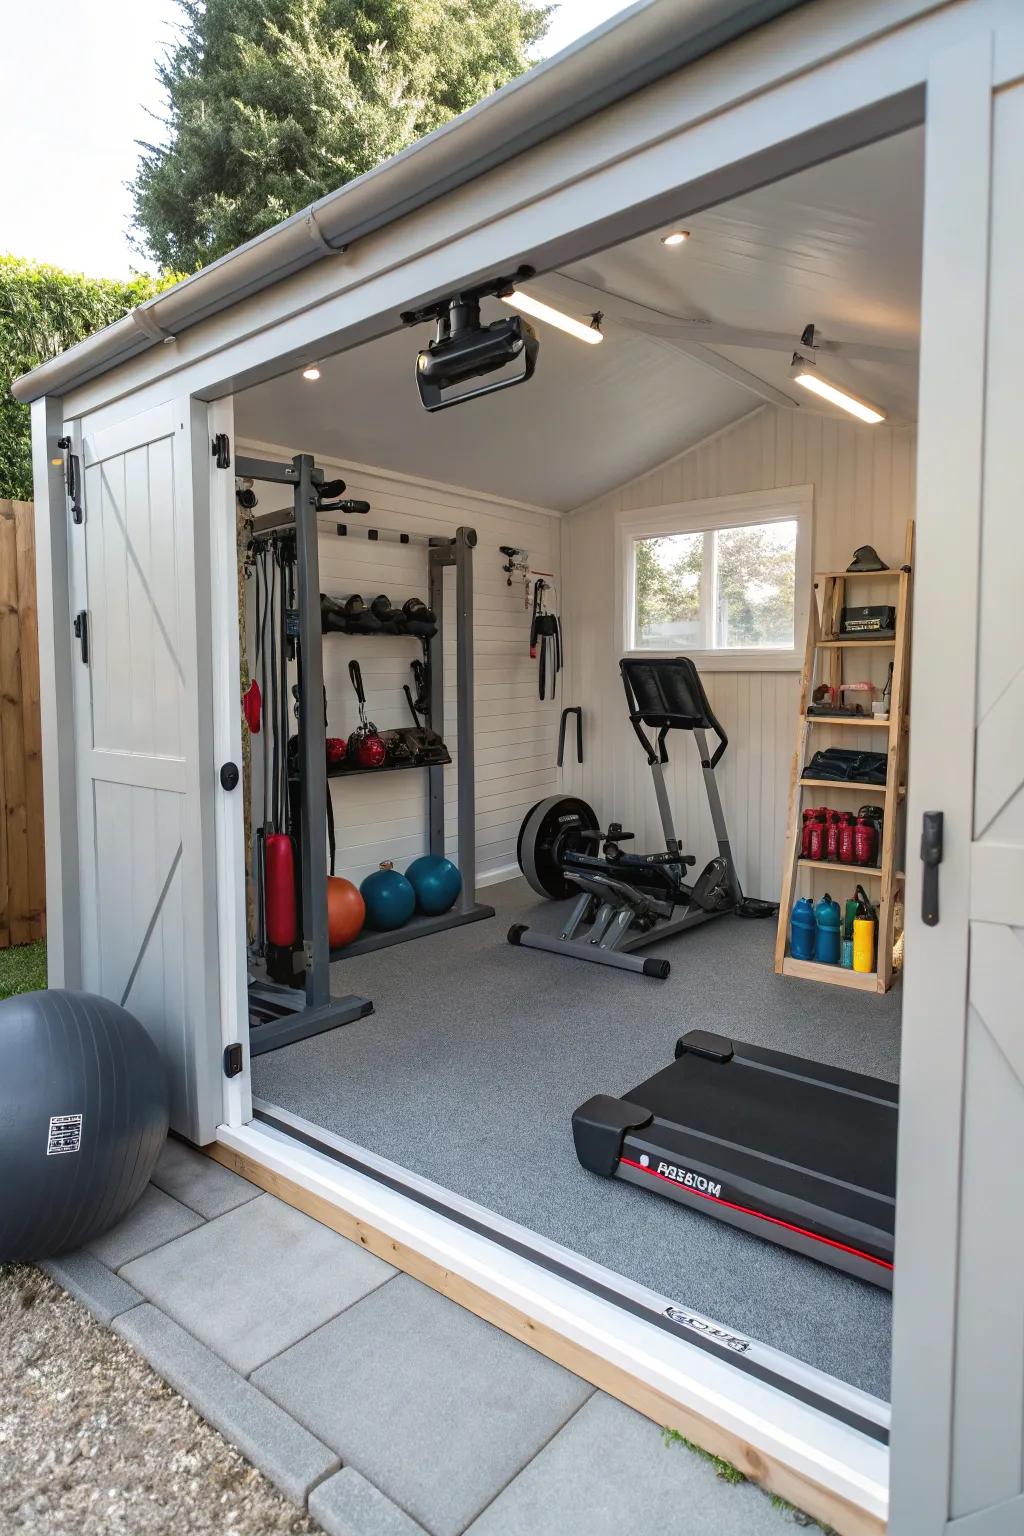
753 270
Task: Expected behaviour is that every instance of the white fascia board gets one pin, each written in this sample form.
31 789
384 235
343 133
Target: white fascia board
809 1441
835 76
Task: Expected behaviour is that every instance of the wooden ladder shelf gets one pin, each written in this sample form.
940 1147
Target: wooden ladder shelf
883 883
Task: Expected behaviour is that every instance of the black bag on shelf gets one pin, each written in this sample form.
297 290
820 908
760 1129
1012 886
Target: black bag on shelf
842 764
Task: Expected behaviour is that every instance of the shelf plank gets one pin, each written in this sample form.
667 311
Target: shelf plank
836 975
858 575
864 789
860 722
872 870
856 645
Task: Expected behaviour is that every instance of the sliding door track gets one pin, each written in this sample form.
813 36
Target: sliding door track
850 1406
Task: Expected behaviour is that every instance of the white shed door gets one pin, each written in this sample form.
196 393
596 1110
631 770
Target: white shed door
958 1370
142 734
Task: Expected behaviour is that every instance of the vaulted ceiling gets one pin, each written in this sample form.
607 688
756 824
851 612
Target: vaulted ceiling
837 246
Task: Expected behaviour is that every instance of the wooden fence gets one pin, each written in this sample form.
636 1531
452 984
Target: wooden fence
22 884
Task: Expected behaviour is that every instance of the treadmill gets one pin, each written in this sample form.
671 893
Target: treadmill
799 1153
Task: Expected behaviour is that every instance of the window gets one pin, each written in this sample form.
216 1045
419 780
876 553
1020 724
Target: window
726 581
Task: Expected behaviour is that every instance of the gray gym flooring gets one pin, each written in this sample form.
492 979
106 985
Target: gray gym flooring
478 1053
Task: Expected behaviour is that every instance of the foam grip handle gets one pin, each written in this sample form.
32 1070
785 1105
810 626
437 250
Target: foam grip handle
279 864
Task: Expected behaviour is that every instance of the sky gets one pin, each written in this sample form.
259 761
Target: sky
79 88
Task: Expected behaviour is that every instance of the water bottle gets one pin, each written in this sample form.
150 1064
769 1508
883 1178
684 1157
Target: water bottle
864 929
826 938
802 929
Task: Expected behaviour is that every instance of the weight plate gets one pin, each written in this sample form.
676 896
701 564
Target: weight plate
547 829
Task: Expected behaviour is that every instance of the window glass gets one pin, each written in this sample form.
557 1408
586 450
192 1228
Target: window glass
725 589
755 586
669 582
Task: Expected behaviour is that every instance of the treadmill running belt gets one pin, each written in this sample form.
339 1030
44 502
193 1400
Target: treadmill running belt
798 1152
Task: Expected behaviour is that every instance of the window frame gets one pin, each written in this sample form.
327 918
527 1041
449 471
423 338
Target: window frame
790 504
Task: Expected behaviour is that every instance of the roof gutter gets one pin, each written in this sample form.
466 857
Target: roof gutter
632 50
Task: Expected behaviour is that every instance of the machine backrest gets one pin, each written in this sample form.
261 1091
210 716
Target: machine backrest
666 694
666 690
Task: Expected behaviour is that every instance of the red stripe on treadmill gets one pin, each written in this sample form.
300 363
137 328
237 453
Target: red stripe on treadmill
761 1215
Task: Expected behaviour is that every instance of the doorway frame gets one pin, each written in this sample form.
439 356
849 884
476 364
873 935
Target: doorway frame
839 76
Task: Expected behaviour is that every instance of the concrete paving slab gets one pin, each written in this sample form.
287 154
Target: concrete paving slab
102 1292
157 1219
609 1471
347 1505
257 1279
206 1187
435 1407
292 1458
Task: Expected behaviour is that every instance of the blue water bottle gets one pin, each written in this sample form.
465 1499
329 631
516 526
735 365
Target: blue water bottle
802 929
827 924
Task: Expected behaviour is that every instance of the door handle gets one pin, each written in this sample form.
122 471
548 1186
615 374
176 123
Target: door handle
931 858
82 633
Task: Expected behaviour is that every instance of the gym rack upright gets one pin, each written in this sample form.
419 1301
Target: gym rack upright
283 1014
320 1012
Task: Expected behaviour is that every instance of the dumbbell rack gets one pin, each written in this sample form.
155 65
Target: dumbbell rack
295 1002
442 551
884 881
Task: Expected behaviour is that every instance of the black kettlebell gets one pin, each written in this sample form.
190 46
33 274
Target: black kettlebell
388 617
359 619
416 608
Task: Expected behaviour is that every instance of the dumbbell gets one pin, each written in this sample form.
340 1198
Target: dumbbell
419 619
391 620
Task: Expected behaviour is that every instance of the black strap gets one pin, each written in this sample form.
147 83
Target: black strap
275 782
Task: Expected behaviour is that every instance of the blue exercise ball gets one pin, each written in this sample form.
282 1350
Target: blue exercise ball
83 1116
390 899
437 883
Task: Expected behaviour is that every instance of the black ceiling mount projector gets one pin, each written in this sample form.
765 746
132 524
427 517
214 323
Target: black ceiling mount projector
465 349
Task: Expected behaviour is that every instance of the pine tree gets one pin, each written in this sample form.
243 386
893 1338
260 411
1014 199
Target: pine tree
273 103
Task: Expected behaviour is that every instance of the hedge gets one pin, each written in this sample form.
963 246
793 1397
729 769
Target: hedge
43 311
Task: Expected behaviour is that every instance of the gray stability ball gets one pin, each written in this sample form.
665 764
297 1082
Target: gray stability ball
83 1116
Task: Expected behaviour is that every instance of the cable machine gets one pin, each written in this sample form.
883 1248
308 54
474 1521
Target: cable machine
294 1001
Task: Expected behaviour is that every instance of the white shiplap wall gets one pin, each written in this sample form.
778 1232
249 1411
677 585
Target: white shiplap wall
863 480
516 735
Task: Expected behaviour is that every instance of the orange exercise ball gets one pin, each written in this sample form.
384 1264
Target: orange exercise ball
346 911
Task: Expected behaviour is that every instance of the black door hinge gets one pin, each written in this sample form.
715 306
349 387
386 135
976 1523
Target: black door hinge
82 633
931 858
72 479
221 450
233 1059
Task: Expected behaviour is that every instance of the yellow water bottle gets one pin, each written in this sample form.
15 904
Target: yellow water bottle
864 926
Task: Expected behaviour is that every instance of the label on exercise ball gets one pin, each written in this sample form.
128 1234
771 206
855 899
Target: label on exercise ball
65 1135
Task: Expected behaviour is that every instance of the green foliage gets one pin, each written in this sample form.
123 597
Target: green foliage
668 573
723 1469
754 580
730 1474
273 103
42 312
23 969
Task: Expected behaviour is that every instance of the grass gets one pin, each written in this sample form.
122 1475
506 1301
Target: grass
23 969
730 1474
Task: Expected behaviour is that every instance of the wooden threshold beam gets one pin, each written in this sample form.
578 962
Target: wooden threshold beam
772 1475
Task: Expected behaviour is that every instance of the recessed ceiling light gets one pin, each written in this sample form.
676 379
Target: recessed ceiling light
591 333
805 373
676 237
312 372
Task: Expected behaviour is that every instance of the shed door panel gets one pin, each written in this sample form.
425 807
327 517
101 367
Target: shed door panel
149 934
988 1419
958 1340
